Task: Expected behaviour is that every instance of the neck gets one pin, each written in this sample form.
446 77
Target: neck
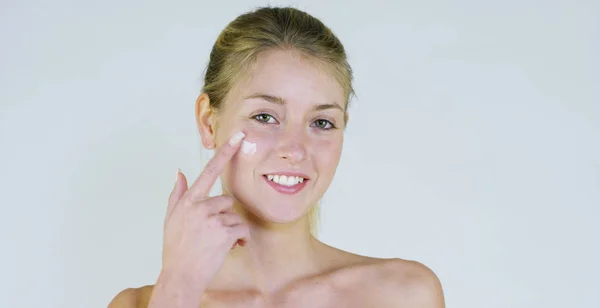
274 256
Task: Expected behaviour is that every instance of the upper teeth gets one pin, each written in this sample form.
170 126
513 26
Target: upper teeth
285 180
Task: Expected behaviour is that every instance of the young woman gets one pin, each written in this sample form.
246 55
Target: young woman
274 108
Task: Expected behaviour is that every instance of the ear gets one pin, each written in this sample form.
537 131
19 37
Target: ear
205 121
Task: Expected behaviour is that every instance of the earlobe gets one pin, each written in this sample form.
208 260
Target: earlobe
204 121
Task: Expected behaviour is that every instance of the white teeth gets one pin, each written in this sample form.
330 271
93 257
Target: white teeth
285 180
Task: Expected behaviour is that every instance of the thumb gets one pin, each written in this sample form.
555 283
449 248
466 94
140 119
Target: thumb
178 190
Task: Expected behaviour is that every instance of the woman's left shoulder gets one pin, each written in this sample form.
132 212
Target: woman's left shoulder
406 283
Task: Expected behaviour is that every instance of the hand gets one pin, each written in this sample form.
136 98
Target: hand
200 230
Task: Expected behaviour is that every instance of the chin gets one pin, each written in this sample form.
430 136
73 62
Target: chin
276 212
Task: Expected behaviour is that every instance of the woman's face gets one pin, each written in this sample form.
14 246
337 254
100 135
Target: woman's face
293 115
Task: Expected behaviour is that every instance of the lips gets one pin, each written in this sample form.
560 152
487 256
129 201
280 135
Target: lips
286 183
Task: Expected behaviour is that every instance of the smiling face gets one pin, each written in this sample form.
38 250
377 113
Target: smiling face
293 114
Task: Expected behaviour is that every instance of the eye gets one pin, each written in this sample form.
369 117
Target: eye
265 118
323 124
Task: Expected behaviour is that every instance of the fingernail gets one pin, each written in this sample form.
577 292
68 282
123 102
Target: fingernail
236 138
177 175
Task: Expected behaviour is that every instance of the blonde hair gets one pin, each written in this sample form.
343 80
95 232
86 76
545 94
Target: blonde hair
268 28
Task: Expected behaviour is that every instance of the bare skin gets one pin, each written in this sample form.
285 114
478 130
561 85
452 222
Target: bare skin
368 283
293 111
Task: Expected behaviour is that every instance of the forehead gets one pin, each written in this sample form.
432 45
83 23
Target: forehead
292 76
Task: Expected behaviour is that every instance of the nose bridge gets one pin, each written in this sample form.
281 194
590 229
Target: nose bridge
292 144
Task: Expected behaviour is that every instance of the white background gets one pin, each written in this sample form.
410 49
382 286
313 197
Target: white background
473 146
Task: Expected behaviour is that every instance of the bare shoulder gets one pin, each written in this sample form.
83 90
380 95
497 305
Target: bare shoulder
376 282
405 283
132 298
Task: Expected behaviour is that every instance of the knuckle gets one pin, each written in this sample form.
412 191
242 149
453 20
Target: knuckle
237 230
226 199
201 210
214 224
194 200
191 197
185 200
210 169
232 218
210 202
220 201
197 205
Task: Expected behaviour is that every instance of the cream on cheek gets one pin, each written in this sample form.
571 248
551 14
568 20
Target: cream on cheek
248 159
248 148
256 143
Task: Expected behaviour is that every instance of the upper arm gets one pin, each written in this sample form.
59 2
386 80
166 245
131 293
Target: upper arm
415 285
125 299
427 289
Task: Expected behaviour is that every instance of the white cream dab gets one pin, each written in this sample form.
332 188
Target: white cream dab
248 147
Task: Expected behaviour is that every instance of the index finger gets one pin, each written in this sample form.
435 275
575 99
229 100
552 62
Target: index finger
202 185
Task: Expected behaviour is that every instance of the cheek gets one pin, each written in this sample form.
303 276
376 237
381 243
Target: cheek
327 152
248 148
253 152
255 146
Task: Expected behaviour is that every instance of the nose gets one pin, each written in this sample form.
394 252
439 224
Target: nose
292 147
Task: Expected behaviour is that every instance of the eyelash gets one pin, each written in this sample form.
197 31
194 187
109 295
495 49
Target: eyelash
331 125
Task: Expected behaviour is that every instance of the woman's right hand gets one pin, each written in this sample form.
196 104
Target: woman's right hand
199 231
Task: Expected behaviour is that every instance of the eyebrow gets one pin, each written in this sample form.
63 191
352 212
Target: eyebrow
280 101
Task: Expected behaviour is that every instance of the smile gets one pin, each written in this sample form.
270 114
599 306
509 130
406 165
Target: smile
286 184
285 180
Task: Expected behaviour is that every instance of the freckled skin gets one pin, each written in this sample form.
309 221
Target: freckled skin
287 267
